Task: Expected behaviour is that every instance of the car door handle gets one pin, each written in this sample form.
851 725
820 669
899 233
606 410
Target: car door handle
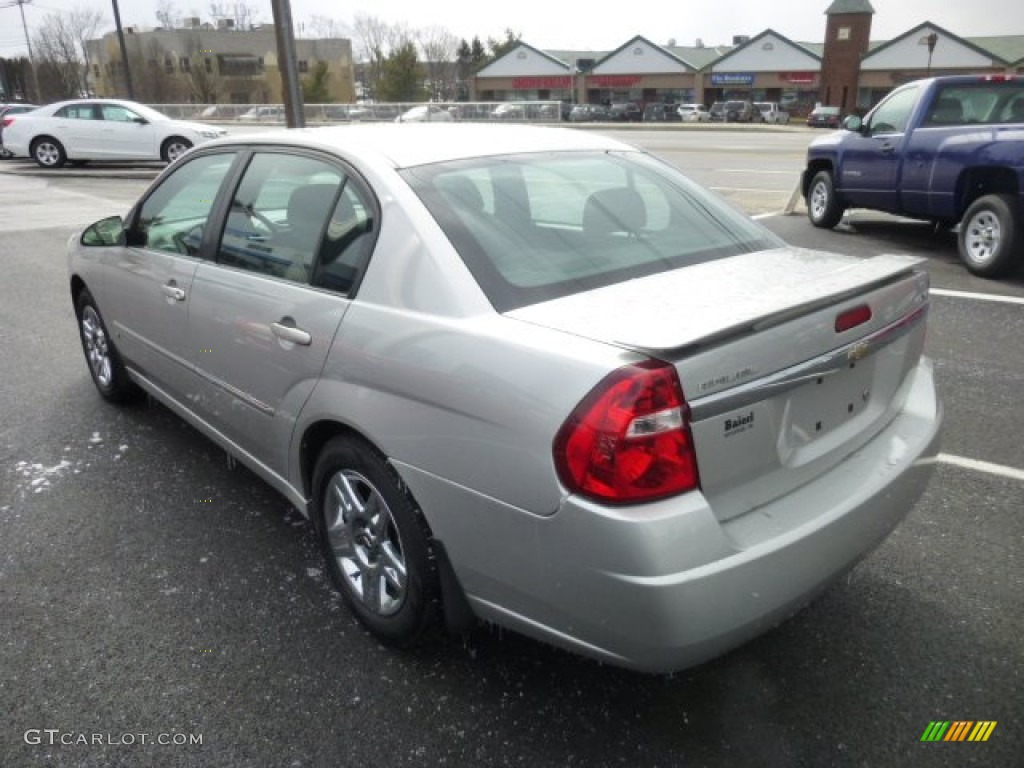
287 331
172 291
888 148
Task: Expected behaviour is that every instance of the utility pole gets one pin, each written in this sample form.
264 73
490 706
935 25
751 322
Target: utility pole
287 62
36 96
124 52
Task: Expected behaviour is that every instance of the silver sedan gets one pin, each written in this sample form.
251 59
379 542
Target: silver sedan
525 375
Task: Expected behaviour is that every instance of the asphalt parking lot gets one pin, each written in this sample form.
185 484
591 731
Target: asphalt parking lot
148 589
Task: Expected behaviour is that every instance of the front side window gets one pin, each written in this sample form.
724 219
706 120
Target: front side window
174 216
117 114
537 227
299 219
891 115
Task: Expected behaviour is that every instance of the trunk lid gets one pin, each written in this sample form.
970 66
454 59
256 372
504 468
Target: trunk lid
777 394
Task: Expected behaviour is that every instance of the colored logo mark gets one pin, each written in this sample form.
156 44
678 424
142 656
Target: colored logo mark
958 730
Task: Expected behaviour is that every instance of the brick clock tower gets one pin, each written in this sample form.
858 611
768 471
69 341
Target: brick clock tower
847 33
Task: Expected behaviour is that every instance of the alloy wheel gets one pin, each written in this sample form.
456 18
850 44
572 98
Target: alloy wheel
365 542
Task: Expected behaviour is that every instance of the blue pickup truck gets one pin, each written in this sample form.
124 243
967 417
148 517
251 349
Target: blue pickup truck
946 149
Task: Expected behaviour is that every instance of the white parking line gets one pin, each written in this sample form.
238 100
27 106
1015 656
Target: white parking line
978 296
981 466
750 189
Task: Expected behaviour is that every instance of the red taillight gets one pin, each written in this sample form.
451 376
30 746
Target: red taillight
851 318
7 121
629 439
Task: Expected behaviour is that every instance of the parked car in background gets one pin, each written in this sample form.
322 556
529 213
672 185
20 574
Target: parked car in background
742 112
583 113
11 110
771 112
523 374
82 130
824 117
717 112
268 114
661 112
694 113
425 113
626 112
509 111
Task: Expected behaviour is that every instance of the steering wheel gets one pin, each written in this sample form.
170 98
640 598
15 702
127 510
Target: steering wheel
188 242
270 226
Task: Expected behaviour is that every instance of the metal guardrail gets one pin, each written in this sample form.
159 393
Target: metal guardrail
318 114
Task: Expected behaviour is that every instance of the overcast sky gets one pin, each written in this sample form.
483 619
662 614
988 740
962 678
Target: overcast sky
577 25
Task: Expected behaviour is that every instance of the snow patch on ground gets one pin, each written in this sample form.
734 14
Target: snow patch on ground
36 478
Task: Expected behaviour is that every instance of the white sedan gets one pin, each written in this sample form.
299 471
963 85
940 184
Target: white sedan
101 129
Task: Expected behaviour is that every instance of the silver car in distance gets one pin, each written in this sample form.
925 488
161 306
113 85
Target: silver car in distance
531 376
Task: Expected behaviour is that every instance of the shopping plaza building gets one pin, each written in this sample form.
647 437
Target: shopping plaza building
848 69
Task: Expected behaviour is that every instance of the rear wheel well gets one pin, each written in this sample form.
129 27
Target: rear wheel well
315 438
978 182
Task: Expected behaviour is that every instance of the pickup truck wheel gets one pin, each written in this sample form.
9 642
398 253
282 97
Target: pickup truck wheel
823 208
988 233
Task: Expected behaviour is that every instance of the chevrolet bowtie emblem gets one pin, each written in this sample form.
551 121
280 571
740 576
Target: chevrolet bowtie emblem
858 351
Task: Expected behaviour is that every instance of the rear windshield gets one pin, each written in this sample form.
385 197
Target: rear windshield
541 226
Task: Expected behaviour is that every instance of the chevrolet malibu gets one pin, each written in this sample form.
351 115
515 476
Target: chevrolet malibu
101 129
523 375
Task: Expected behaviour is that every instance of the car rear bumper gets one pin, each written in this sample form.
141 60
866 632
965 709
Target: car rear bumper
664 586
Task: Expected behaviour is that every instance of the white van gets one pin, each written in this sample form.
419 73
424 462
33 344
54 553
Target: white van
772 112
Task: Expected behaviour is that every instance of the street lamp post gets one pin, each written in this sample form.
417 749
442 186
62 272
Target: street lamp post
930 40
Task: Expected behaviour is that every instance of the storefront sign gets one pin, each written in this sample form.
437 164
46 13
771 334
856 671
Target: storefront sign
538 83
613 81
732 78
804 78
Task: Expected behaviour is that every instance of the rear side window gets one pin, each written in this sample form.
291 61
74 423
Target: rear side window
537 227
77 112
982 102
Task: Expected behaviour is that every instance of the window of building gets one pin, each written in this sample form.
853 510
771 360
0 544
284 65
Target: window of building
208 64
186 65
239 64
303 66
844 33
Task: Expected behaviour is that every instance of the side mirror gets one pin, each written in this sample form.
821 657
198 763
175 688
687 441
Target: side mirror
104 233
853 123
140 120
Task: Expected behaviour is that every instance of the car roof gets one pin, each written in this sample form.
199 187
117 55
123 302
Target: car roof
403 145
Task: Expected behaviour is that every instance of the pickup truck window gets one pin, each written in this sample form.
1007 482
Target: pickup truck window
891 115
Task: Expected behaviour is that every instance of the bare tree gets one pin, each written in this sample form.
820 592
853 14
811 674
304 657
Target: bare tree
167 13
326 27
440 56
61 55
202 80
159 83
243 13
372 44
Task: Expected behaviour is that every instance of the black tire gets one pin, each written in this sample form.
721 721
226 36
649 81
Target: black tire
375 541
105 364
823 206
173 148
48 152
990 239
